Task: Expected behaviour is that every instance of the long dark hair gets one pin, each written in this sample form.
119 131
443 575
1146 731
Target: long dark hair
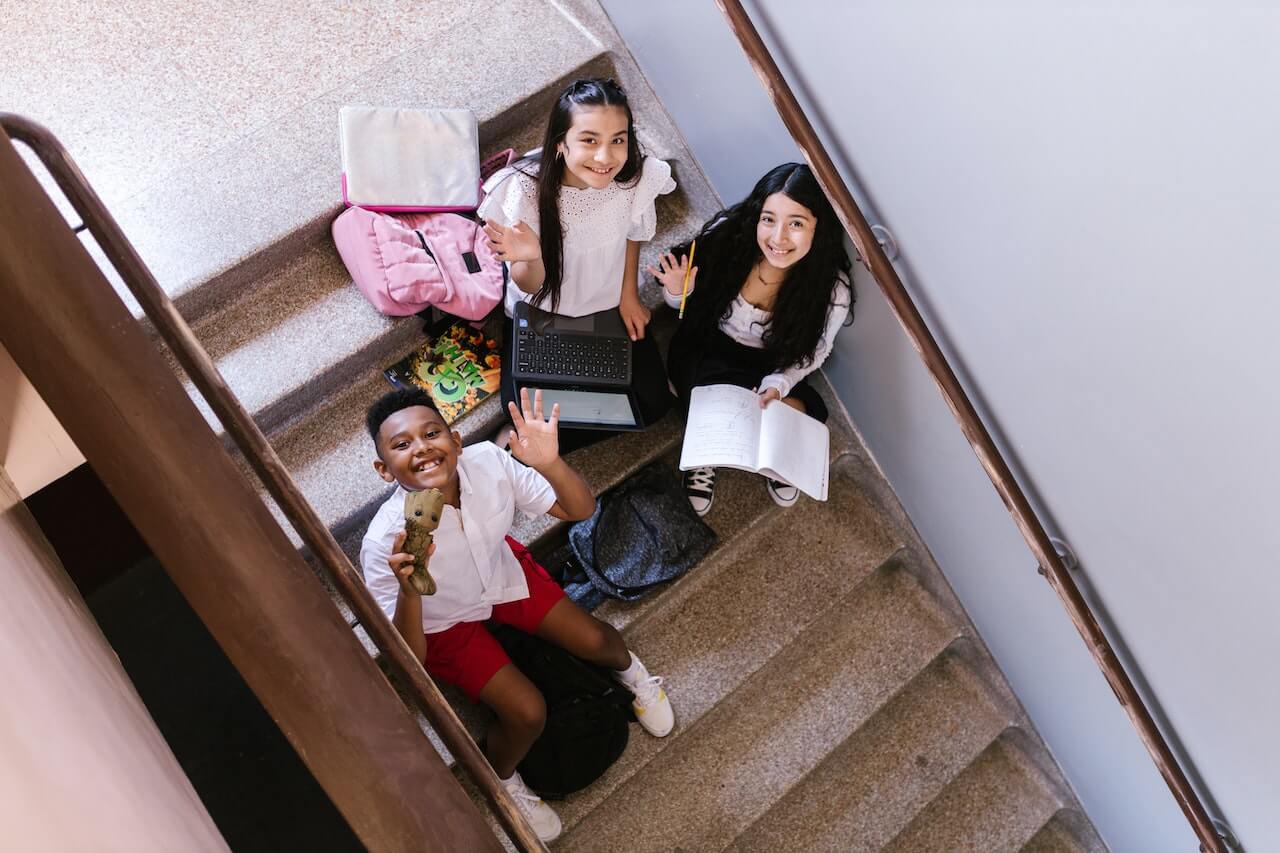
727 251
590 92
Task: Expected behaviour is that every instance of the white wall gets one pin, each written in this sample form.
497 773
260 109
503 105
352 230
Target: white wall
82 765
34 448
1085 199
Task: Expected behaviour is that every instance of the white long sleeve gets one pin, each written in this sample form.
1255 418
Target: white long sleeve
786 379
746 324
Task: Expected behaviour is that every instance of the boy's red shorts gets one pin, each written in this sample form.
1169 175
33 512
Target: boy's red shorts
467 654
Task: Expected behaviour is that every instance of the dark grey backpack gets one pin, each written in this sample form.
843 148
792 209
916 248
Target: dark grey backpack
642 534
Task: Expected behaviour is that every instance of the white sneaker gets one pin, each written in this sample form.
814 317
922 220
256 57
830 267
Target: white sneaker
783 494
700 488
543 818
653 709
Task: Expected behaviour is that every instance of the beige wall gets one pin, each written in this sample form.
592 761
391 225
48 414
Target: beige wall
82 765
34 449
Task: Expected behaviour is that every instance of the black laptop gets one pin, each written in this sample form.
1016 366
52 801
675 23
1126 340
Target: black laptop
582 363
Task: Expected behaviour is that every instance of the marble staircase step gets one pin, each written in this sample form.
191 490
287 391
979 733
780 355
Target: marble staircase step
215 228
873 784
1066 832
777 725
996 804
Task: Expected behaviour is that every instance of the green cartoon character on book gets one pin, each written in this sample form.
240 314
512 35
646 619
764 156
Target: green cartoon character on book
459 369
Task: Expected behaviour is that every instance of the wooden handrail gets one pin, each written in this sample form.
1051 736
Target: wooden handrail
815 153
275 476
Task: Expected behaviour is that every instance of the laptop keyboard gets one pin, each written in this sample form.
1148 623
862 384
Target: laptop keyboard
574 356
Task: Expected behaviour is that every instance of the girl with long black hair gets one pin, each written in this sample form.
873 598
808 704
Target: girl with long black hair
764 314
569 221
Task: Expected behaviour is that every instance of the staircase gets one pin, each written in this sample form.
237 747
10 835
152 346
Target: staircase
830 693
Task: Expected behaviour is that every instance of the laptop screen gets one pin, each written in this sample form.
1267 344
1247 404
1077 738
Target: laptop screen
597 408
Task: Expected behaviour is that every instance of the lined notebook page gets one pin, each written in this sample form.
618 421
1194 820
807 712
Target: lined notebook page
723 428
796 448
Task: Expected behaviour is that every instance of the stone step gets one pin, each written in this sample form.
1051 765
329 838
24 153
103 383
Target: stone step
874 783
1066 832
305 331
741 505
709 631
746 751
996 805
270 191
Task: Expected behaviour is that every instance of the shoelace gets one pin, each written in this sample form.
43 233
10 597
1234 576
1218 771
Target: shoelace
521 794
647 690
702 479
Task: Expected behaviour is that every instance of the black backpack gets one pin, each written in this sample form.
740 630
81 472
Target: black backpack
643 534
587 716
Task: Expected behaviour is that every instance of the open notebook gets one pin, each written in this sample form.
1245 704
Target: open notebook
728 429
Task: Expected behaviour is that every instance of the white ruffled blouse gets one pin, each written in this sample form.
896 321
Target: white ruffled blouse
597 223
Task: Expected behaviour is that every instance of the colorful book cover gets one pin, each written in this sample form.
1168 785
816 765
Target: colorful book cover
459 368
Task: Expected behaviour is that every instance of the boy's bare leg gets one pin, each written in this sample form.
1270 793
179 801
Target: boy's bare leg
794 403
581 634
522 713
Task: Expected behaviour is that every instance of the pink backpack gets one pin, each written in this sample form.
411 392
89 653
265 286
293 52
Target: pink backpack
405 262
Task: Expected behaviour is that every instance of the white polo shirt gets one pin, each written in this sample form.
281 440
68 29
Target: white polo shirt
473 566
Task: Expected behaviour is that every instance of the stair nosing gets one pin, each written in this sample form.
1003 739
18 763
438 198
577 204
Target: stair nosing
1033 783
992 709
948 632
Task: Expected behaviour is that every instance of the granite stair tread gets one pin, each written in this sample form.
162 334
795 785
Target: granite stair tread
744 506
997 804
306 331
752 746
1066 832
873 784
706 633
741 505
274 187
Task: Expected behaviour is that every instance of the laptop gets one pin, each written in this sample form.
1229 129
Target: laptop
582 363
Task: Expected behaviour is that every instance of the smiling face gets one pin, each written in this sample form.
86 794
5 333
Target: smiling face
595 147
784 231
417 450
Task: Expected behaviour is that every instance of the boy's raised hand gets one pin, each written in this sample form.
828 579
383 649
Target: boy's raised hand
535 442
514 244
401 563
670 273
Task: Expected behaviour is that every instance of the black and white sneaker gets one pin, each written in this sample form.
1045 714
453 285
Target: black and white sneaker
783 494
700 487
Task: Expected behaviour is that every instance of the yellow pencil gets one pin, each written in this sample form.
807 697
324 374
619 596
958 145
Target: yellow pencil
685 294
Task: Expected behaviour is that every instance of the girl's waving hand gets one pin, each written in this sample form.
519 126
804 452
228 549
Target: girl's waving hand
670 273
515 244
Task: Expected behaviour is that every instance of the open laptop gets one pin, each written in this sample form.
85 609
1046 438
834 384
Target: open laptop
582 363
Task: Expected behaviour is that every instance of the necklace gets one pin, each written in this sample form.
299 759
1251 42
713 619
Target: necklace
756 271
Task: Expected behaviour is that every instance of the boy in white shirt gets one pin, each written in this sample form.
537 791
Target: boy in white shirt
479 579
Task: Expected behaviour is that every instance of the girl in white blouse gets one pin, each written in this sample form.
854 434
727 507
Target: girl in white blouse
766 313
570 225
